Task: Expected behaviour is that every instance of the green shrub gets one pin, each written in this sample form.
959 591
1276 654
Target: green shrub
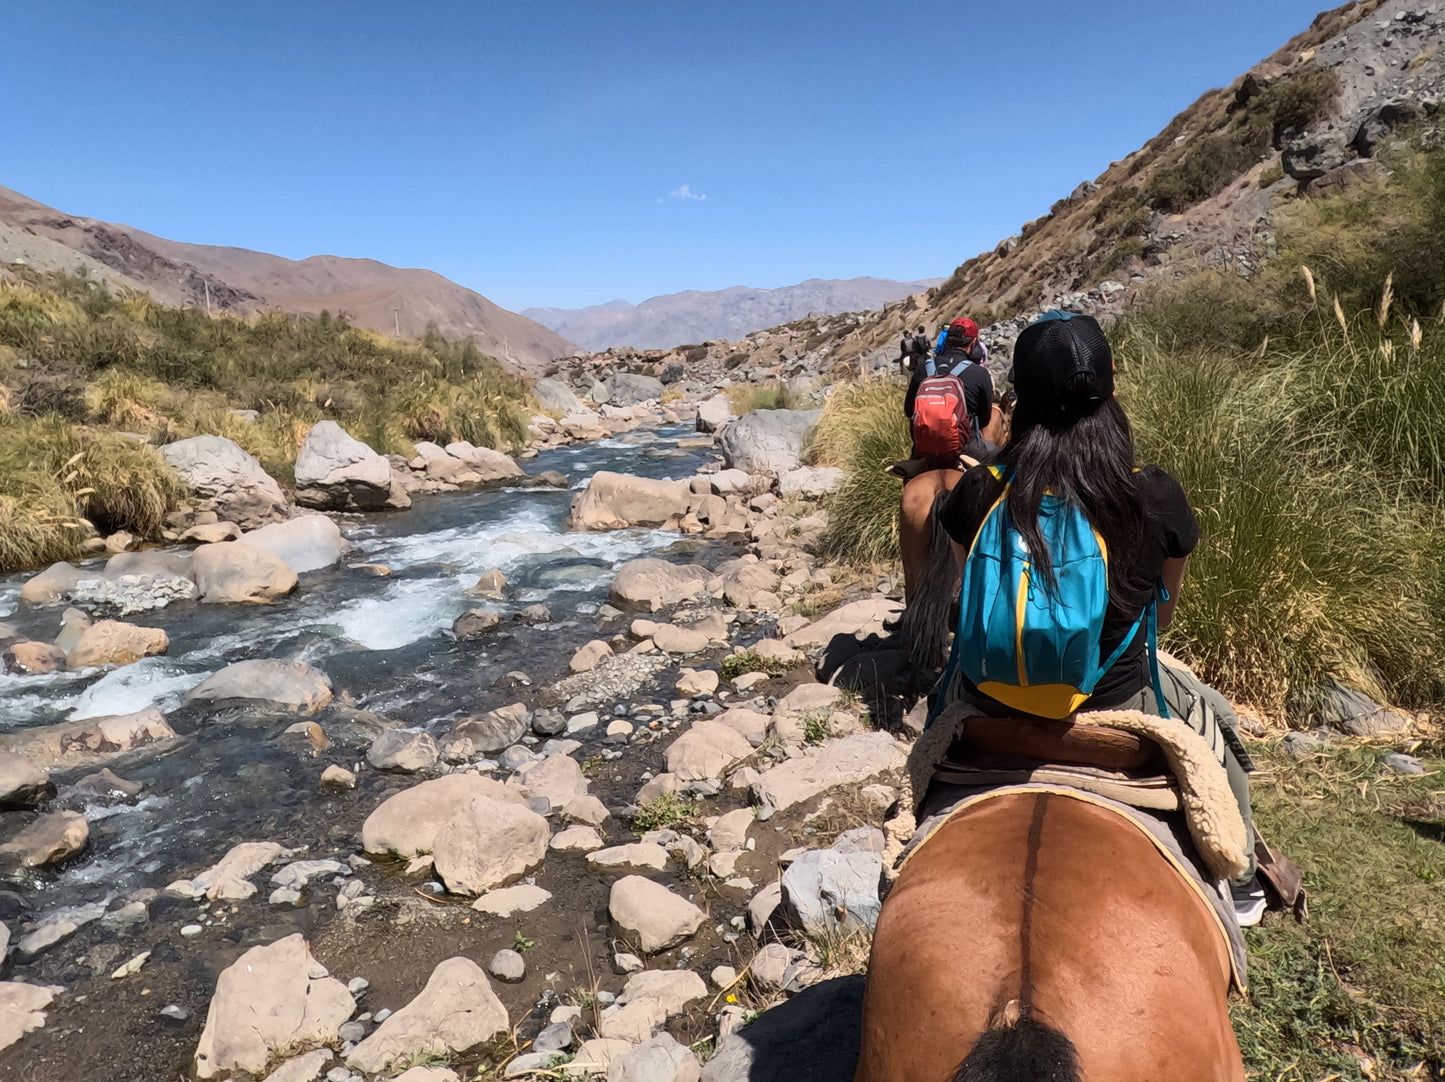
664 812
746 397
746 661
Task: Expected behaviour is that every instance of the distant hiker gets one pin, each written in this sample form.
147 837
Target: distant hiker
1096 530
949 403
913 351
977 351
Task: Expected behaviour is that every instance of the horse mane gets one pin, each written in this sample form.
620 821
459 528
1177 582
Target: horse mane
1027 1051
926 623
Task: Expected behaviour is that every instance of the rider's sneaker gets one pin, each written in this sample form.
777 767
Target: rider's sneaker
1249 901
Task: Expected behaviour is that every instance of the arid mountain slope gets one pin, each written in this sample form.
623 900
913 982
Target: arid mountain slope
693 316
373 294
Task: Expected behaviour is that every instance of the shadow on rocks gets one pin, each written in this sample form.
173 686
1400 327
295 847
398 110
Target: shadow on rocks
812 1037
877 670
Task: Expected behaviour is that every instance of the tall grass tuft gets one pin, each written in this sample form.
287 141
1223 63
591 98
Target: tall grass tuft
863 430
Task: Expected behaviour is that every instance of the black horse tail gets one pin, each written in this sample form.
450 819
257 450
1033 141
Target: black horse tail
926 623
1026 1051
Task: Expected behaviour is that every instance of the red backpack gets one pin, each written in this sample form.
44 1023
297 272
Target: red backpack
941 424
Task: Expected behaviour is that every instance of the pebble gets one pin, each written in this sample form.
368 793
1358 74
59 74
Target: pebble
175 1012
507 965
554 1038
358 986
381 1015
352 1031
722 976
626 963
191 929
1401 763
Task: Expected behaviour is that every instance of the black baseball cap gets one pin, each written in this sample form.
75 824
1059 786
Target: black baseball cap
1063 364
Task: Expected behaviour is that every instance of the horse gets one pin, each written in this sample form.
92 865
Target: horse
1035 937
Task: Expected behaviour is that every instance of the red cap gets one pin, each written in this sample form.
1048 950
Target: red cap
967 326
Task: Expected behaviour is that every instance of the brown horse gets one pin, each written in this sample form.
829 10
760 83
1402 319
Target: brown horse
1035 937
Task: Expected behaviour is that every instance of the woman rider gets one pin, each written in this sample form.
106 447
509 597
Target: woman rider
1070 437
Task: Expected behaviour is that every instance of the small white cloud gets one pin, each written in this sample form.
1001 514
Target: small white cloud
685 193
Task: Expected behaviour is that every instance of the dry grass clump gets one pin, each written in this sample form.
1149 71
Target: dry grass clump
746 397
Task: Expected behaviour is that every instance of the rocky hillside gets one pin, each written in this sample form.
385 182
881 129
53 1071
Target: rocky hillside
374 295
697 316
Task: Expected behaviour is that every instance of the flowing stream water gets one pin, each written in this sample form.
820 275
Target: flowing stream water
384 641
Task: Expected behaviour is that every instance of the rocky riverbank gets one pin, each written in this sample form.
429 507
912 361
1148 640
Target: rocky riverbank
604 807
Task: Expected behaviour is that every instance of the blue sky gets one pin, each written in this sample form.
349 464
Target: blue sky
541 152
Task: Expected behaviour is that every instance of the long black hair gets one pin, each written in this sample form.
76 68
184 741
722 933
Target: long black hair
1085 457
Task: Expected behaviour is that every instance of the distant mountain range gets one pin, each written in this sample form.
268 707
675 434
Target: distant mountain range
694 316
372 294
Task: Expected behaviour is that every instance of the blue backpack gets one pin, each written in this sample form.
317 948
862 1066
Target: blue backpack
1026 647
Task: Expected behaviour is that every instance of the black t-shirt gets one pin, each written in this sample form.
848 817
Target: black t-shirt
1170 532
977 384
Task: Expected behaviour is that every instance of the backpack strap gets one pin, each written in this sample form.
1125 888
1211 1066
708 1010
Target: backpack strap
929 368
1153 617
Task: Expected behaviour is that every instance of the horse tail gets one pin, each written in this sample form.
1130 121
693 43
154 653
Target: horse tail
925 624
1026 1051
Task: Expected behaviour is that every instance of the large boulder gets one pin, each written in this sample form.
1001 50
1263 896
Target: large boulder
234 572
22 783
489 465
714 413
650 585
496 729
457 1010
840 762
488 842
768 441
234 483
407 823
67 741
658 917
706 750
290 685
336 472
22 1009
110 642
53 585
272 998
659 1059
558 778
305 543
824 888
52 838
857 619
628 389
554 396
613 501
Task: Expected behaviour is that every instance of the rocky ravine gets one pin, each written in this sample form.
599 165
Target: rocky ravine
607 876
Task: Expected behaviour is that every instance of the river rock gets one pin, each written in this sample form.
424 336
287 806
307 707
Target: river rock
818 769
289 685
507 965
614 501
488 842
519 898
111 642
337 779
52 838
586 809
674 989
858 619
305 1068
671 639
233 571
33 658
742 585
811 482
496 729
632 855
268 1000
22 1009
823 888
595 1057
557 778
335 472
305 543
407 823
403 751
51 586
68 740
696 681
590 656
706 750
229 878
650 585
210 533
714 412
775 967
491 585
730 831
474 623
767 441
752 725
490 465
660 1059
633 1023
631 389
810 697
234 483
659 917
579 839
554 396
457 1010
22 784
